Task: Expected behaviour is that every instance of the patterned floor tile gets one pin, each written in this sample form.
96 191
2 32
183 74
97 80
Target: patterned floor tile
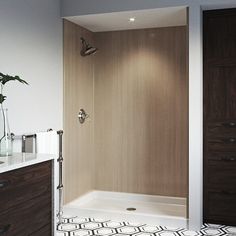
186 232
174 229
135 224
68 227
76 226
99 220
144 234
62 234
213 231
167 233
81 232
150 229
78 220
230 230
91 225
105 231
128 230
114 224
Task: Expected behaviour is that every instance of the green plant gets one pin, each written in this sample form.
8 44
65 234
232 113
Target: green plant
5 79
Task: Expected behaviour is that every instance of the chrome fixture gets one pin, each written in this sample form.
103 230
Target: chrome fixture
131 209
60 168
132 19
86 48
82 116
60 184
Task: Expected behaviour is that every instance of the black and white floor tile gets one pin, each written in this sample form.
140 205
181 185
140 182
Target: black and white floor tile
75 226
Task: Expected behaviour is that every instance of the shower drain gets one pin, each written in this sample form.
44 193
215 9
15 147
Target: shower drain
131 209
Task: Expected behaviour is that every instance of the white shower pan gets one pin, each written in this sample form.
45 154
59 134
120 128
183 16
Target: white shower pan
146 209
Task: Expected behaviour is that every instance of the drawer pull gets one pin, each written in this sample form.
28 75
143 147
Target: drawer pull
230 124
228 158
4 229
228 140
232 140
3 183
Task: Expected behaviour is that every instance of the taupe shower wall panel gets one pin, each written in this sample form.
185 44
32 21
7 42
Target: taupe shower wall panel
78 93
140 100
141 111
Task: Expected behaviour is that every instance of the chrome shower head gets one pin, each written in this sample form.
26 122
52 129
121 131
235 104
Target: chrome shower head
86 48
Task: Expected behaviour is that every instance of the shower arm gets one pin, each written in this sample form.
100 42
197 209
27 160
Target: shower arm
84 43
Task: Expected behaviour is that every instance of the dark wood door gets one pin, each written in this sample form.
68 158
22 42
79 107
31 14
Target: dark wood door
220 116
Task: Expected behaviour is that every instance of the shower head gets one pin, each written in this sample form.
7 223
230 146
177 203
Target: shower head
87 49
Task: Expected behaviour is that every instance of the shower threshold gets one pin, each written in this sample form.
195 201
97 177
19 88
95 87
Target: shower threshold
138 208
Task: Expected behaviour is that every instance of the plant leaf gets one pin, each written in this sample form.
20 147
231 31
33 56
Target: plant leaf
6 78
2 98
20 80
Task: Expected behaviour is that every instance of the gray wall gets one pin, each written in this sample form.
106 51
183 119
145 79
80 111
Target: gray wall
81 7
31 46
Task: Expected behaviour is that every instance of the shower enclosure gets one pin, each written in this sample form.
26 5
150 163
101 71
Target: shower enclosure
128 160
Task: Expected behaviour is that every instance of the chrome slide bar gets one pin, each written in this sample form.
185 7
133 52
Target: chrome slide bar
60 185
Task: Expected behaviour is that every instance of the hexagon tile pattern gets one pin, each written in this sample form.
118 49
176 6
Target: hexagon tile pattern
73 226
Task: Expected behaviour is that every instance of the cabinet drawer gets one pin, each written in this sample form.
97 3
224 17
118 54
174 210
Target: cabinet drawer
221 144
27 218
218 158
222 128
221 175
45 231
220 207
21 185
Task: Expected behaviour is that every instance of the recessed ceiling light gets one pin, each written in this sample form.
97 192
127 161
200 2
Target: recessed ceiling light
131 19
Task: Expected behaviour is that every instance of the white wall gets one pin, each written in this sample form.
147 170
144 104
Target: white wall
81 7
31 47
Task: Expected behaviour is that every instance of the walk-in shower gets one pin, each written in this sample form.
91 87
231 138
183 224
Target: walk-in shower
129 160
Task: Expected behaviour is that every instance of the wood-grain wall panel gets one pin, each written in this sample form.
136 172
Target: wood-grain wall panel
78 93
141 111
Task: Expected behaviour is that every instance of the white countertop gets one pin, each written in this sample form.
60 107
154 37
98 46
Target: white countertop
19 160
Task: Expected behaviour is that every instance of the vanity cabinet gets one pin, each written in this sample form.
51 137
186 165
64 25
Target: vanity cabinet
220 116
26 201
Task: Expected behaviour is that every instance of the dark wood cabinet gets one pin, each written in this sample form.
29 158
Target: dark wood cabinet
220 116
26 201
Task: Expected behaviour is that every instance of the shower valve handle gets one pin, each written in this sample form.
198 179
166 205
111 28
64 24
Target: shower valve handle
82 116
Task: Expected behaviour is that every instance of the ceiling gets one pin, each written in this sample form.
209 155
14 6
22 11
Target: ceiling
153 18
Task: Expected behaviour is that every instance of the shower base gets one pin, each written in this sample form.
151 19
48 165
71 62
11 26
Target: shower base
148 209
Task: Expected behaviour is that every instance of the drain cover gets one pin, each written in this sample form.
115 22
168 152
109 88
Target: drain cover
131 209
